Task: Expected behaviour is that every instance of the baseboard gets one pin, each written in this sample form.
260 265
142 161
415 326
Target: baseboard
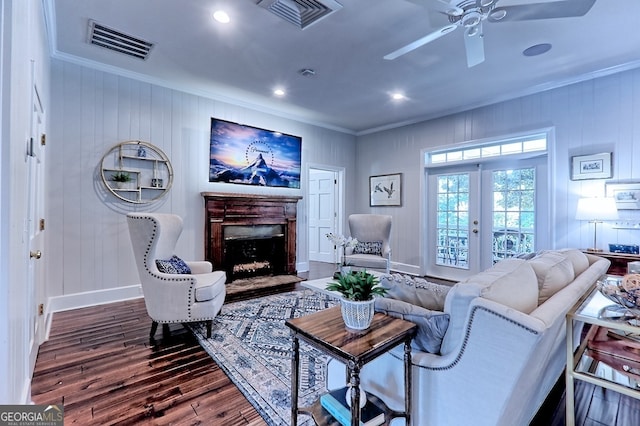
93 298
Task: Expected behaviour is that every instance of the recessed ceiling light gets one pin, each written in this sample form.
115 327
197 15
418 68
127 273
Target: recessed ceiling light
221 16
537 49
279 92
397 96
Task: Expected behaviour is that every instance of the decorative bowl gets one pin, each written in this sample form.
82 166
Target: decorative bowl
624 291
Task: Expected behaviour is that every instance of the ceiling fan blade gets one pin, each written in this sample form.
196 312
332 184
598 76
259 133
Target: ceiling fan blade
526 12
443 6
474 45
421 42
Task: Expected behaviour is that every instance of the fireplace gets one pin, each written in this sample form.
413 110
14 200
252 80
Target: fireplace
250 235
252 250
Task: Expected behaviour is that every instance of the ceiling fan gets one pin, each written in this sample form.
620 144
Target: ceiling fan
470 14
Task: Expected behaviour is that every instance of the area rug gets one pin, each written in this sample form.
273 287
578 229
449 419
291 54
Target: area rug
251 343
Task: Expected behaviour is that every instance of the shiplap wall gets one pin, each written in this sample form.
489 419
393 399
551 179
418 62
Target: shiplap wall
599 115
93 110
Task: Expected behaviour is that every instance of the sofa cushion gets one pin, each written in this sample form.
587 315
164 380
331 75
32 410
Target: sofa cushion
554 271
368 247
511 282
414 290
578 259
175 265
432 325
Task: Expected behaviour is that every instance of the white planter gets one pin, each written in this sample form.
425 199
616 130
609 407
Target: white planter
357 315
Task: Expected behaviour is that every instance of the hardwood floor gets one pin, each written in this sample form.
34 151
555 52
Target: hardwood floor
100 364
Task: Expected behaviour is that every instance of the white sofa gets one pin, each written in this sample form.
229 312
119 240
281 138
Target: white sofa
503 350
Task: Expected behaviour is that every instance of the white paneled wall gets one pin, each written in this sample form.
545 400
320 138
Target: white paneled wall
599 115
92 111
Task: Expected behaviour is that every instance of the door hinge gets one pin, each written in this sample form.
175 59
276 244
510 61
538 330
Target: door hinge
43 139
41 309
42 224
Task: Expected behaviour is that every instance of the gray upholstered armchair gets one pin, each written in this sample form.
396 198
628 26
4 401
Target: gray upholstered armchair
180 294
373 250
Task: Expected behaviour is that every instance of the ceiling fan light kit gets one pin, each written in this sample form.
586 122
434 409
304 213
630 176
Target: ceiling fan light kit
470 14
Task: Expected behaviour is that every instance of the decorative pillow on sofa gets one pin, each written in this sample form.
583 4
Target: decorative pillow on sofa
432 325
554 271
415 291
175 265
368 247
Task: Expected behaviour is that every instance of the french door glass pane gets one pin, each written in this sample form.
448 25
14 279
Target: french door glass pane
513 212
453 220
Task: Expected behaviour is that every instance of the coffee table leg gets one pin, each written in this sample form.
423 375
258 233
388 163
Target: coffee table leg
295 359
407 380
354 386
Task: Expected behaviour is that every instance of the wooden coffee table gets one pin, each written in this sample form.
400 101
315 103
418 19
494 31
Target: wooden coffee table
325 330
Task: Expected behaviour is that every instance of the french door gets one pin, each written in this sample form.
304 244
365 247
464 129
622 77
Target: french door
479 214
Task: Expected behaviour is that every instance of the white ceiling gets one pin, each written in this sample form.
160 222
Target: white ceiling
243 61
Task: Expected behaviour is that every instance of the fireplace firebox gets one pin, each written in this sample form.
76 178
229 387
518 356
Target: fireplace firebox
250 235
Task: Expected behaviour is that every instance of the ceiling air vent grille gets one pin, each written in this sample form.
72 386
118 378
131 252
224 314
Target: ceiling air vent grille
301 13
117 41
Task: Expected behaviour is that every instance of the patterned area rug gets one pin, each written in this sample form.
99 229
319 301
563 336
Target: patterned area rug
251 343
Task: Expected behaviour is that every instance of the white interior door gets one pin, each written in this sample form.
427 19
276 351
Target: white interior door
35 228
322 214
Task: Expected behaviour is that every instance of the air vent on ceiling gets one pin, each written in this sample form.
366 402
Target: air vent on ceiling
118 41
301 13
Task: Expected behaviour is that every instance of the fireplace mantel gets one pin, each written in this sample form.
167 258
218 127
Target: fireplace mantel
228 209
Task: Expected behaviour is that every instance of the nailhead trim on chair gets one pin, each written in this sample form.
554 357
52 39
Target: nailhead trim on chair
191 296
466 338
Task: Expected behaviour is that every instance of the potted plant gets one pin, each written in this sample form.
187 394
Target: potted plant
358 289
120 178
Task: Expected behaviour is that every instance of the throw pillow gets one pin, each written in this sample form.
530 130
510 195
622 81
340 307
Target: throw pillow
175 265
432 325
368 247
554 272
416 291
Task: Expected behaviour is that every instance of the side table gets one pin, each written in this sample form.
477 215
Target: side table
325 330
586 364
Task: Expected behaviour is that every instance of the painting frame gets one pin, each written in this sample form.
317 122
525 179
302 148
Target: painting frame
594 166
385 190
626 194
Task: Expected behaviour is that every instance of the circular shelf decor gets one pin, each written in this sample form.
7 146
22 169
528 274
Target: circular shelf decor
136 172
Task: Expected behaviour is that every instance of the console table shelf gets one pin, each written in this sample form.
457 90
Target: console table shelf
618 261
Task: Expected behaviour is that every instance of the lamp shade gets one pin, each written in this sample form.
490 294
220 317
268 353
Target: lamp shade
597 209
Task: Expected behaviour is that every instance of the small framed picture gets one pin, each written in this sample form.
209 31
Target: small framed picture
595 166
156 183
385 190
627 195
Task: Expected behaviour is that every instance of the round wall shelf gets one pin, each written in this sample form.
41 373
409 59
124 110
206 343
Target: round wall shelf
136 172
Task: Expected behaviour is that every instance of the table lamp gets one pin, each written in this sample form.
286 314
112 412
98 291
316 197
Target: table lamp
596 210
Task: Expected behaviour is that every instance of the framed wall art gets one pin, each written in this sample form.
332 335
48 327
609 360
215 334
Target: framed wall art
249 155
595 166
627 195
385 190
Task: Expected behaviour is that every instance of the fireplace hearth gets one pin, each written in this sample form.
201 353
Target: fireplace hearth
250 235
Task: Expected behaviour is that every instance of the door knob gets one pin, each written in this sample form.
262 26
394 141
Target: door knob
474 230
35 254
